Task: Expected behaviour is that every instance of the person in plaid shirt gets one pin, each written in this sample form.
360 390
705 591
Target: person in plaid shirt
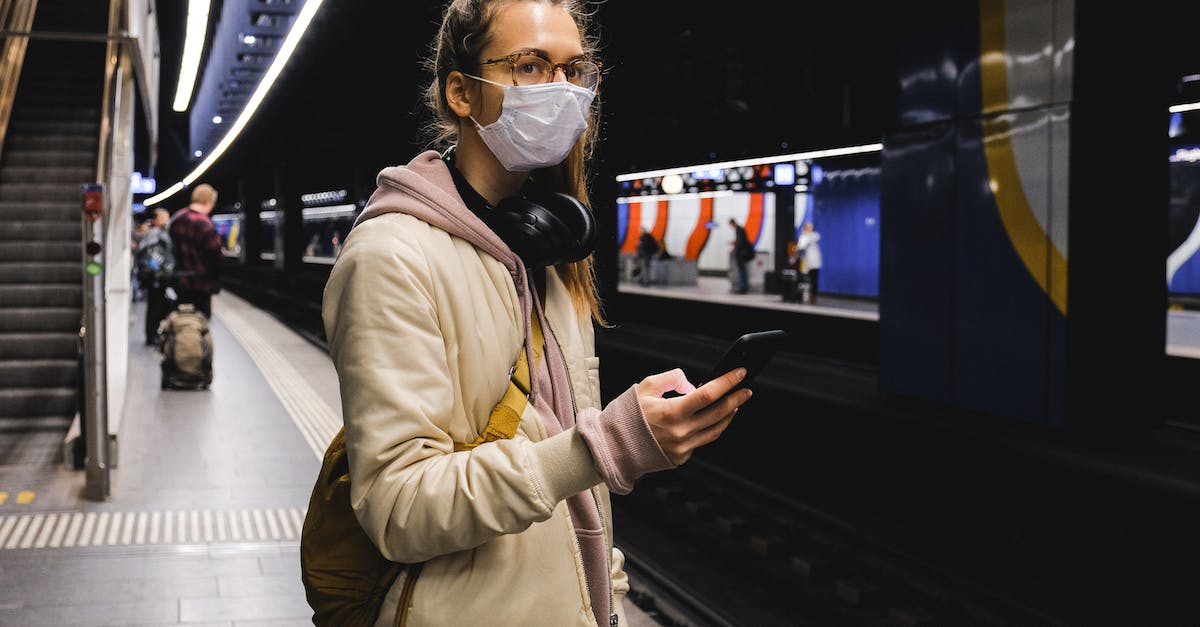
197 250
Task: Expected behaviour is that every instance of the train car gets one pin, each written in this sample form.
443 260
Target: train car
1183 261
326 218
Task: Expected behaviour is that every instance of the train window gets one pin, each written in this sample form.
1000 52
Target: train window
271 234
324 230
229 227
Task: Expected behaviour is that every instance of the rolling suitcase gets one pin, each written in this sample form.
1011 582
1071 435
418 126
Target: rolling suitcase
187 349
793 286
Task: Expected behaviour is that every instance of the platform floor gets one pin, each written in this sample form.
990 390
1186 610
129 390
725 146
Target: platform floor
1183 325
207 496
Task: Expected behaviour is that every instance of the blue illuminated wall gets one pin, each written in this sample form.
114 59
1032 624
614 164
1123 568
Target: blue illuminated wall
845 211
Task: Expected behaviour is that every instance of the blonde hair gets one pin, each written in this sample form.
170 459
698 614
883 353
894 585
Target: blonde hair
204 194
464 33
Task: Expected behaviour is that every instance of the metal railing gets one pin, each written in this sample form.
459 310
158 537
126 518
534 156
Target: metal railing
97 465
113 169
15 15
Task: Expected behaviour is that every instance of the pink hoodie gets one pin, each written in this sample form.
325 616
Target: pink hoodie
622 446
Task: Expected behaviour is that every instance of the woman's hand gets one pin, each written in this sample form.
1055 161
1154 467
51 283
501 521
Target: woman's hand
685 423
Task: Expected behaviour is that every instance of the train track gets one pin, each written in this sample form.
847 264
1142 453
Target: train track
712 549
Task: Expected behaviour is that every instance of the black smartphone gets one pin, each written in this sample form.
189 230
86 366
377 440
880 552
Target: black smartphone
752 351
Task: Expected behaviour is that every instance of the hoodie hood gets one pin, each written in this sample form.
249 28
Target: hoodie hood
425 190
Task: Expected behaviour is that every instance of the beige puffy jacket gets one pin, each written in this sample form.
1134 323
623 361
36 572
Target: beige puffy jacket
424 322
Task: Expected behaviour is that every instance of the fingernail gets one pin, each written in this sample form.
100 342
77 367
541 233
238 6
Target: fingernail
741 373
746 394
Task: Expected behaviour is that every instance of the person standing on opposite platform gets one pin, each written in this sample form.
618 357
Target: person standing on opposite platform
647 248
809 248
428 306
742 254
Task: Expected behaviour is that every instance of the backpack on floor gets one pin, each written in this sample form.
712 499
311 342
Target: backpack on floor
345 575
187 349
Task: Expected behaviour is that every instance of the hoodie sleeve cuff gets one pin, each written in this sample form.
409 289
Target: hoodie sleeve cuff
562 470
622 445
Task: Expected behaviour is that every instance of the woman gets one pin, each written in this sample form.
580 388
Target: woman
426 311
809 246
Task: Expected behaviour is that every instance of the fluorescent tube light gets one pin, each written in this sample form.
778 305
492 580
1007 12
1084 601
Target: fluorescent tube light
814 154
193 46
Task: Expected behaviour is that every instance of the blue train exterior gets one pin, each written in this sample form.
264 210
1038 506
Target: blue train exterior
1183 260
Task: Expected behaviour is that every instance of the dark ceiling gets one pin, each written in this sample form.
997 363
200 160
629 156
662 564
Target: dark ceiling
685 85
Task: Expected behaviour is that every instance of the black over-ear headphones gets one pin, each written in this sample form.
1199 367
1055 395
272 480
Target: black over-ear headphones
547 230
544 229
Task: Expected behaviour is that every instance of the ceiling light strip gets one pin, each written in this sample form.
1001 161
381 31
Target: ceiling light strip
193 47
303 19
813 154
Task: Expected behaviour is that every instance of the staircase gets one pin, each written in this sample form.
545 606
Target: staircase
50 150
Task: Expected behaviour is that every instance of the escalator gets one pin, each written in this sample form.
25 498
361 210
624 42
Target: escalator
50 149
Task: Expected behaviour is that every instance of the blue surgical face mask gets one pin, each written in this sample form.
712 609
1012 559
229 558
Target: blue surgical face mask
538 125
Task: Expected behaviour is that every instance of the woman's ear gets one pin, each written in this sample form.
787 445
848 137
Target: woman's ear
458 93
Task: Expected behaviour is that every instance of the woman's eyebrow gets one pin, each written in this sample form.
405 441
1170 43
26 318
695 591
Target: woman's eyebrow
546 55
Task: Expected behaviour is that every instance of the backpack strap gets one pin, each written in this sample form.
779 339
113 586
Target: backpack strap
506 415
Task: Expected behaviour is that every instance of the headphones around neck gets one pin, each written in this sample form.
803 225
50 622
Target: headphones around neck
547 230
544 229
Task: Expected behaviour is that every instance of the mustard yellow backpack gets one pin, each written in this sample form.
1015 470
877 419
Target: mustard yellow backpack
345 576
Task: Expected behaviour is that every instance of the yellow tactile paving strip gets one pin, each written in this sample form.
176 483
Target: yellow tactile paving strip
20 497
107 528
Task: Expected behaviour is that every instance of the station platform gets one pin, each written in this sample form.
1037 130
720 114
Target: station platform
208 494
1183 324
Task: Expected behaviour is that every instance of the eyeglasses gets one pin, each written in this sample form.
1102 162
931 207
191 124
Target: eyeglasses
530 68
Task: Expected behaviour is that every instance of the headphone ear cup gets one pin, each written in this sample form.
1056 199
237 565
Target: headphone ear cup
579 226
528 229
555 229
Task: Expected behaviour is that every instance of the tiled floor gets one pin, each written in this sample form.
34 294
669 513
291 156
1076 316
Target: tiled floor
207 496
209 488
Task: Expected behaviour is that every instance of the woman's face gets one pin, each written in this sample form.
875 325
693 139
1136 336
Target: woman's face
524 26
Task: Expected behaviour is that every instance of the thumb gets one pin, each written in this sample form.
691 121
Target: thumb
667 381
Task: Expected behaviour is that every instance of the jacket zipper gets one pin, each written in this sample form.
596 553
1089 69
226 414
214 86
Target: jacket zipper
595 499
406 594
612 606
587 588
